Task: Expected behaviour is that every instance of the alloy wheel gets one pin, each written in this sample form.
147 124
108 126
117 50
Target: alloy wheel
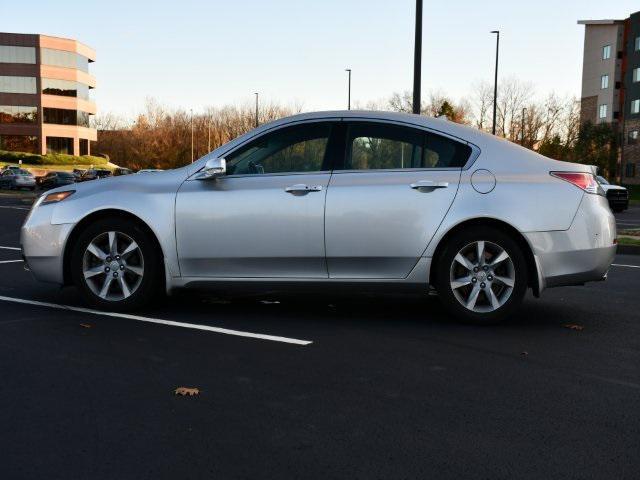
113 266
482 276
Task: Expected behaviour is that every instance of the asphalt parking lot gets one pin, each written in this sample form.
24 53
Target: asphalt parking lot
363 388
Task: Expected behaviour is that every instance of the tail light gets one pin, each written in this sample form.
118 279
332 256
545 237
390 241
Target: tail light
584 181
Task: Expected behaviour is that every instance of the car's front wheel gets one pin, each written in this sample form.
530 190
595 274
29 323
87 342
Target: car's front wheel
481 275
115 265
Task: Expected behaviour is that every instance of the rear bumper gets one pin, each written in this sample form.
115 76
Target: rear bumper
583 253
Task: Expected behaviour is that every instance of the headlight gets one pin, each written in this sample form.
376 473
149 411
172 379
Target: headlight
55 197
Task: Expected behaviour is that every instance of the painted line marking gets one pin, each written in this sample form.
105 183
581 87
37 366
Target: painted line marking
171 323
10 261
15 208
10 248
621 265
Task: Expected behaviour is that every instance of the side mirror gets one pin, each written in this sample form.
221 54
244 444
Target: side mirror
215 167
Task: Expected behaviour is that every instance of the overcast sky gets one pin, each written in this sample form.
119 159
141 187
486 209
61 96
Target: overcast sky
193 54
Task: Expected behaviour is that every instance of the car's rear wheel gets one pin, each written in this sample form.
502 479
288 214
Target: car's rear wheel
481 275
115 265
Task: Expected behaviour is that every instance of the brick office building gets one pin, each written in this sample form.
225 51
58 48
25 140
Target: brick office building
45 105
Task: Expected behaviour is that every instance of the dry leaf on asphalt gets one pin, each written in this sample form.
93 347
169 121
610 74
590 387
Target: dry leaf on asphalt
573 326
86 325
187 391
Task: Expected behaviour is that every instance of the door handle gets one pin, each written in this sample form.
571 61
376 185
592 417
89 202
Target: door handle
302 188
428 184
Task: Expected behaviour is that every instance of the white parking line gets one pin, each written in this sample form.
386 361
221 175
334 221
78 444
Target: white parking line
10 261
10 248
171 323
621 265
15 208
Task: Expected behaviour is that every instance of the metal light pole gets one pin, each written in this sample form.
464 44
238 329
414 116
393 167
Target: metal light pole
417 59
192 135
256 94
348 89
524 110
495 82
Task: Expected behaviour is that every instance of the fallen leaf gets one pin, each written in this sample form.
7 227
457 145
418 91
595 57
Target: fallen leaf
187 391
573 326
86 325
524 354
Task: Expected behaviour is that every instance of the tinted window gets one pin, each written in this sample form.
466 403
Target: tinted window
293 149
14 54
373 146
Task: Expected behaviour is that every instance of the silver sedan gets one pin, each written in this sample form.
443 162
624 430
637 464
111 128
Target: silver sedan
334 200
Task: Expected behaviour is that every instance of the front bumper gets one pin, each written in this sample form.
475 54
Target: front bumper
583 253
43 245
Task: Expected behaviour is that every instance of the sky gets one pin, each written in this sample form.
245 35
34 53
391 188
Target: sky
194 54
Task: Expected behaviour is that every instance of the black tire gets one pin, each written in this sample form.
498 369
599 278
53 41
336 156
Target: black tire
152 280
446 258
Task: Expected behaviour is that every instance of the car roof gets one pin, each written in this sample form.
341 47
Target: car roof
440 124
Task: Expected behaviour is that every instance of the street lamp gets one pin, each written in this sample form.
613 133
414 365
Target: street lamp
348 89
417 58
495 82
256 94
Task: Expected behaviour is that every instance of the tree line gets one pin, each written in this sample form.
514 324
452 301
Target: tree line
159 137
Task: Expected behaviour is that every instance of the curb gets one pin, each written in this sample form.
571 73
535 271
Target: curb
628 250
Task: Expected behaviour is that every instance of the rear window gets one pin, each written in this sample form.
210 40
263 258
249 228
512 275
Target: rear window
66 175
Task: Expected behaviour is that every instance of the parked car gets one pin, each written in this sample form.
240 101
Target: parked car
55 179
122 171
16 179
11 167
77 172
617 196
149 170
94 174
332 200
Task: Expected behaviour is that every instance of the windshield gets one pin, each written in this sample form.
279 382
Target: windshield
602 180
24 173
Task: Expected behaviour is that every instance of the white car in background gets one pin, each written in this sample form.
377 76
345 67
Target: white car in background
617 196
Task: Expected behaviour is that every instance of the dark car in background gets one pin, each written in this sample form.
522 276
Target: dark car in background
94 174
15 179
617 196
55 179
77 172
122 171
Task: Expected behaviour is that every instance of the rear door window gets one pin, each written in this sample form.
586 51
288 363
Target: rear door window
380 146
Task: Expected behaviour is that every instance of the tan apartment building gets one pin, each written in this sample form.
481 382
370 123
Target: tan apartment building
611 85
45 106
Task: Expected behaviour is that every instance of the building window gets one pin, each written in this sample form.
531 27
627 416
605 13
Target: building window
17 84
606 52
630 171
602 111
11 54
62 58
604 81
633 137
84 146
637 44
65 88
18 114
60 145
635 106
61 116
19 143
636 75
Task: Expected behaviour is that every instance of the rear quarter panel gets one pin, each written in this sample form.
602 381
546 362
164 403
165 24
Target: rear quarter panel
525 195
